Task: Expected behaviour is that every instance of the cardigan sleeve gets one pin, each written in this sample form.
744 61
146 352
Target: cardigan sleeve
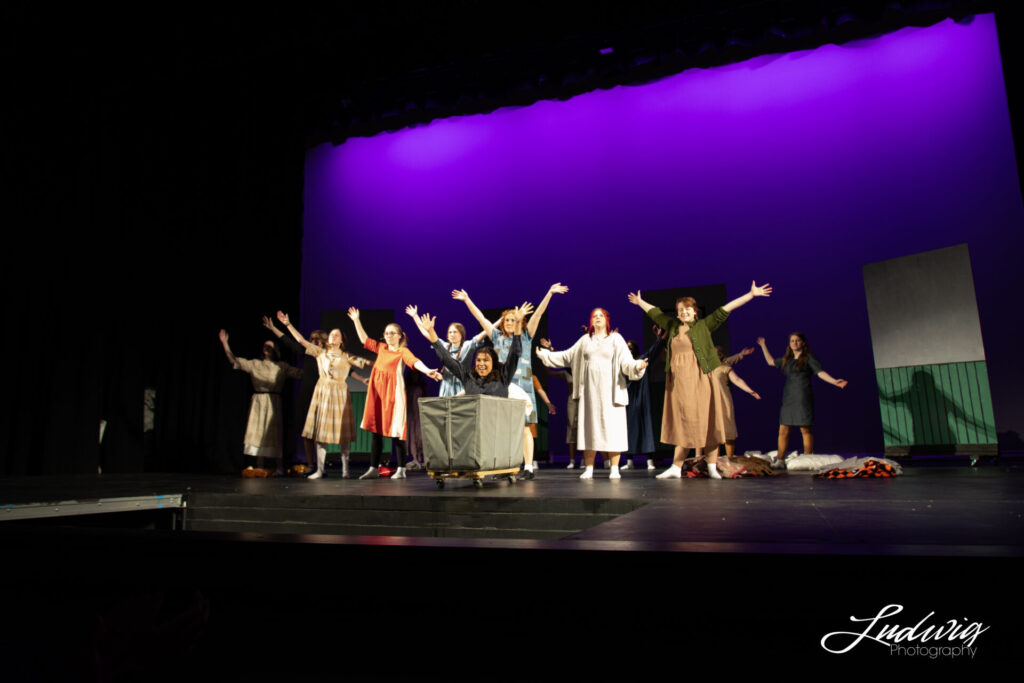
715 320
660 318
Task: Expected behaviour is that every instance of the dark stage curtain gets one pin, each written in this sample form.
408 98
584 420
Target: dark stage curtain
148 209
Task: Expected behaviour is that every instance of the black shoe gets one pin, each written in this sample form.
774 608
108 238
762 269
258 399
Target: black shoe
525 474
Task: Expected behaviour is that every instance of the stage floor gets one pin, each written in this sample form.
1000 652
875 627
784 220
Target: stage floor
930 510
652 566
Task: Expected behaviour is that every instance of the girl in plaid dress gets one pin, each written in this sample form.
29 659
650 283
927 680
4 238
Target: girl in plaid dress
329 419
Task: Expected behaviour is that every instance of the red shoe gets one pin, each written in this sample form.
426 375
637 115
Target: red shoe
384 471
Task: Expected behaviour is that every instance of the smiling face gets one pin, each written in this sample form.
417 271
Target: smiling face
454 335
483 364
686 313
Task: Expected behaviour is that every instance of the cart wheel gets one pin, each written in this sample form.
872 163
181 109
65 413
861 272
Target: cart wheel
511 479
479 483
439 483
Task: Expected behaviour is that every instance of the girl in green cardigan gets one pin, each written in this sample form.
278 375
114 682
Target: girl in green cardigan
690 396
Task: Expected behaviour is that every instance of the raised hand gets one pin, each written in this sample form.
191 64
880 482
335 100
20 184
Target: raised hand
635 298
763 290
411 311
523 310
283 317
427 322
760 342
558 288
747 351
268 323
353 313
223 336
460 295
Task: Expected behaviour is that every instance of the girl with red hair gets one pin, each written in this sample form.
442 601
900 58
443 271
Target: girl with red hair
601 364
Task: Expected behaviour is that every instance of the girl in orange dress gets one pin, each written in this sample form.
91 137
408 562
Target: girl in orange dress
384 414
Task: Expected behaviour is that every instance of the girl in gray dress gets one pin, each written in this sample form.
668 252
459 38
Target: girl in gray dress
798 365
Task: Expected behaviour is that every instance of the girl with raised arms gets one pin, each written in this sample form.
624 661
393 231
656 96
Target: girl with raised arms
601 365
329 419
688 418
482 373
501 336
457 346
384 414
798 365
263 430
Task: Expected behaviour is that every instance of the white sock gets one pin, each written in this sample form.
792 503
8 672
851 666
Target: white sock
615 472
713 471
528 467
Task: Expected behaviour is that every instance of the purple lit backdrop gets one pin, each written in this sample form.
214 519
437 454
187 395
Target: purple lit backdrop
795 169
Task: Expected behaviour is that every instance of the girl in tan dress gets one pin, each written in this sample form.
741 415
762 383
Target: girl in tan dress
263 430
329 419
688 420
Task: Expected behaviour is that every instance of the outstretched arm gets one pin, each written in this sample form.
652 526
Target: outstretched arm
735 379
637 300
737 357
353 313
413 313
269 324
425 323
286 321
557 288
763 290
227 349
461 295
841 383
652 311
432 374
543 395
768 357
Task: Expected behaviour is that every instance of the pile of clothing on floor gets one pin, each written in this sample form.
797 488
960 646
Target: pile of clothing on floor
833 466
730 467
757 464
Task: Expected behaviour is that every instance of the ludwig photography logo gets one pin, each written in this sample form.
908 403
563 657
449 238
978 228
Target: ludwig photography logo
929 637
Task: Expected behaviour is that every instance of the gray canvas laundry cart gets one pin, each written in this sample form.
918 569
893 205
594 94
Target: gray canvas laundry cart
472 437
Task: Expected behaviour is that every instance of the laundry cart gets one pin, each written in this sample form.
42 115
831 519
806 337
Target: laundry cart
472 437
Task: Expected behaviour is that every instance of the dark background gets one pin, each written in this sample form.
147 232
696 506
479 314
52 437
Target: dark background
154 167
